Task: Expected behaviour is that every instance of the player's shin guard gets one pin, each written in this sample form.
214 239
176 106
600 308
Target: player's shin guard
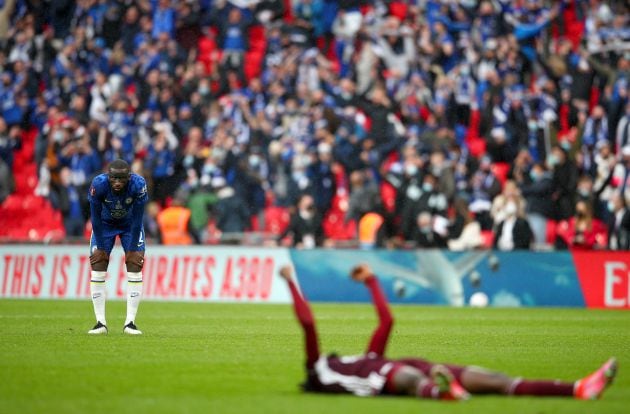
134 294
99 294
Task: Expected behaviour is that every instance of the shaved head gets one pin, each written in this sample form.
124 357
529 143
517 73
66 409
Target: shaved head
118 165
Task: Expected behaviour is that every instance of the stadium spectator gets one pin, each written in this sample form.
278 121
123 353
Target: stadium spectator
150 223
232 38
174 223
621 174
618 224
160 162
539 207
429 201
364 196
373 374
231 213
430 231
564 180
305 225
509 73
9 142
69 198
582 231
622 137
513 232
464 233
484 186
201 203
602 185
510 192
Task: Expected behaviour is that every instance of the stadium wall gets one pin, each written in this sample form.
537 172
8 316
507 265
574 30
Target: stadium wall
239 274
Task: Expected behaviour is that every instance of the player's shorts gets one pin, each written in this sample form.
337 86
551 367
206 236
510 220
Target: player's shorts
109 238
426 366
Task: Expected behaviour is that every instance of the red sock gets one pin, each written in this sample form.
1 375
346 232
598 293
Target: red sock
542 388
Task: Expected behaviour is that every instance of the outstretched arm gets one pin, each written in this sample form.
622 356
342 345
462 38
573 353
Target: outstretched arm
363 273
304 316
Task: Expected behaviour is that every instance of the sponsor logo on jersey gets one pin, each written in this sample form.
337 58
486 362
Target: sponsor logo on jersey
119 213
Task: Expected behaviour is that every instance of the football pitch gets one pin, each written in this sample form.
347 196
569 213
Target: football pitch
230 358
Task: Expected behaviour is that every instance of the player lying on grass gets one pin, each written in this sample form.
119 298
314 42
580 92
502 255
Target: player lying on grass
374 374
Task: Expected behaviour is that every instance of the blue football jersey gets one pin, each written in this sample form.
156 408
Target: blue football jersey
117 208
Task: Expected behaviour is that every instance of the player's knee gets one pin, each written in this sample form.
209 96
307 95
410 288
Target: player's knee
100 266
99 260
407 380
134 261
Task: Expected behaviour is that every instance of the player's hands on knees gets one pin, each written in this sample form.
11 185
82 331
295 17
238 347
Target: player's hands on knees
98 256
135 258
361 273
286 272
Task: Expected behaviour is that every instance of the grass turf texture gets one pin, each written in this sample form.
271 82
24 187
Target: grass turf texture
228 358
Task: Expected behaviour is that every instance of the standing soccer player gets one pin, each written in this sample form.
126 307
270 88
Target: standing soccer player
117 201
374 374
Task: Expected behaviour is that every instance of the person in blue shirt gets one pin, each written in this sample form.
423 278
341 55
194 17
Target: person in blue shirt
117 199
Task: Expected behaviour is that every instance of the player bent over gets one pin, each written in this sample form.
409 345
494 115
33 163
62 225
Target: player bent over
374 374
117 201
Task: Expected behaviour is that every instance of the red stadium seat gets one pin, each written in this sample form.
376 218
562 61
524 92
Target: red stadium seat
501 171
257 39
551 231
336 228
487 238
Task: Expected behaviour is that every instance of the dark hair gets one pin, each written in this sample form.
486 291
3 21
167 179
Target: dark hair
118 165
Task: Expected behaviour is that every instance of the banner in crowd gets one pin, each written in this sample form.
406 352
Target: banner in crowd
170 273
238 274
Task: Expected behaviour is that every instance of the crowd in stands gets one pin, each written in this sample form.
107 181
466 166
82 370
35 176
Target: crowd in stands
423 123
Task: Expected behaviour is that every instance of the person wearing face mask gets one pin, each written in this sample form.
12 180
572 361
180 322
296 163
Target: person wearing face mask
429 200
305 225
429 232
513 233
619 224
582 231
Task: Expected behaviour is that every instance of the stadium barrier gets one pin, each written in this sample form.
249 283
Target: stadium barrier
240 274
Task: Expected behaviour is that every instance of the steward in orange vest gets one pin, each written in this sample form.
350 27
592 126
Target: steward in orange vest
173 222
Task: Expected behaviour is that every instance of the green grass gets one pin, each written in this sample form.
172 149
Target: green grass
228 358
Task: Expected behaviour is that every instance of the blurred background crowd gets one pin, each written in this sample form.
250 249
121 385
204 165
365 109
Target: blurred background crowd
449 123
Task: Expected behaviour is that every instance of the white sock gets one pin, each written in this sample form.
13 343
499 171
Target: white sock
99 294
134 293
